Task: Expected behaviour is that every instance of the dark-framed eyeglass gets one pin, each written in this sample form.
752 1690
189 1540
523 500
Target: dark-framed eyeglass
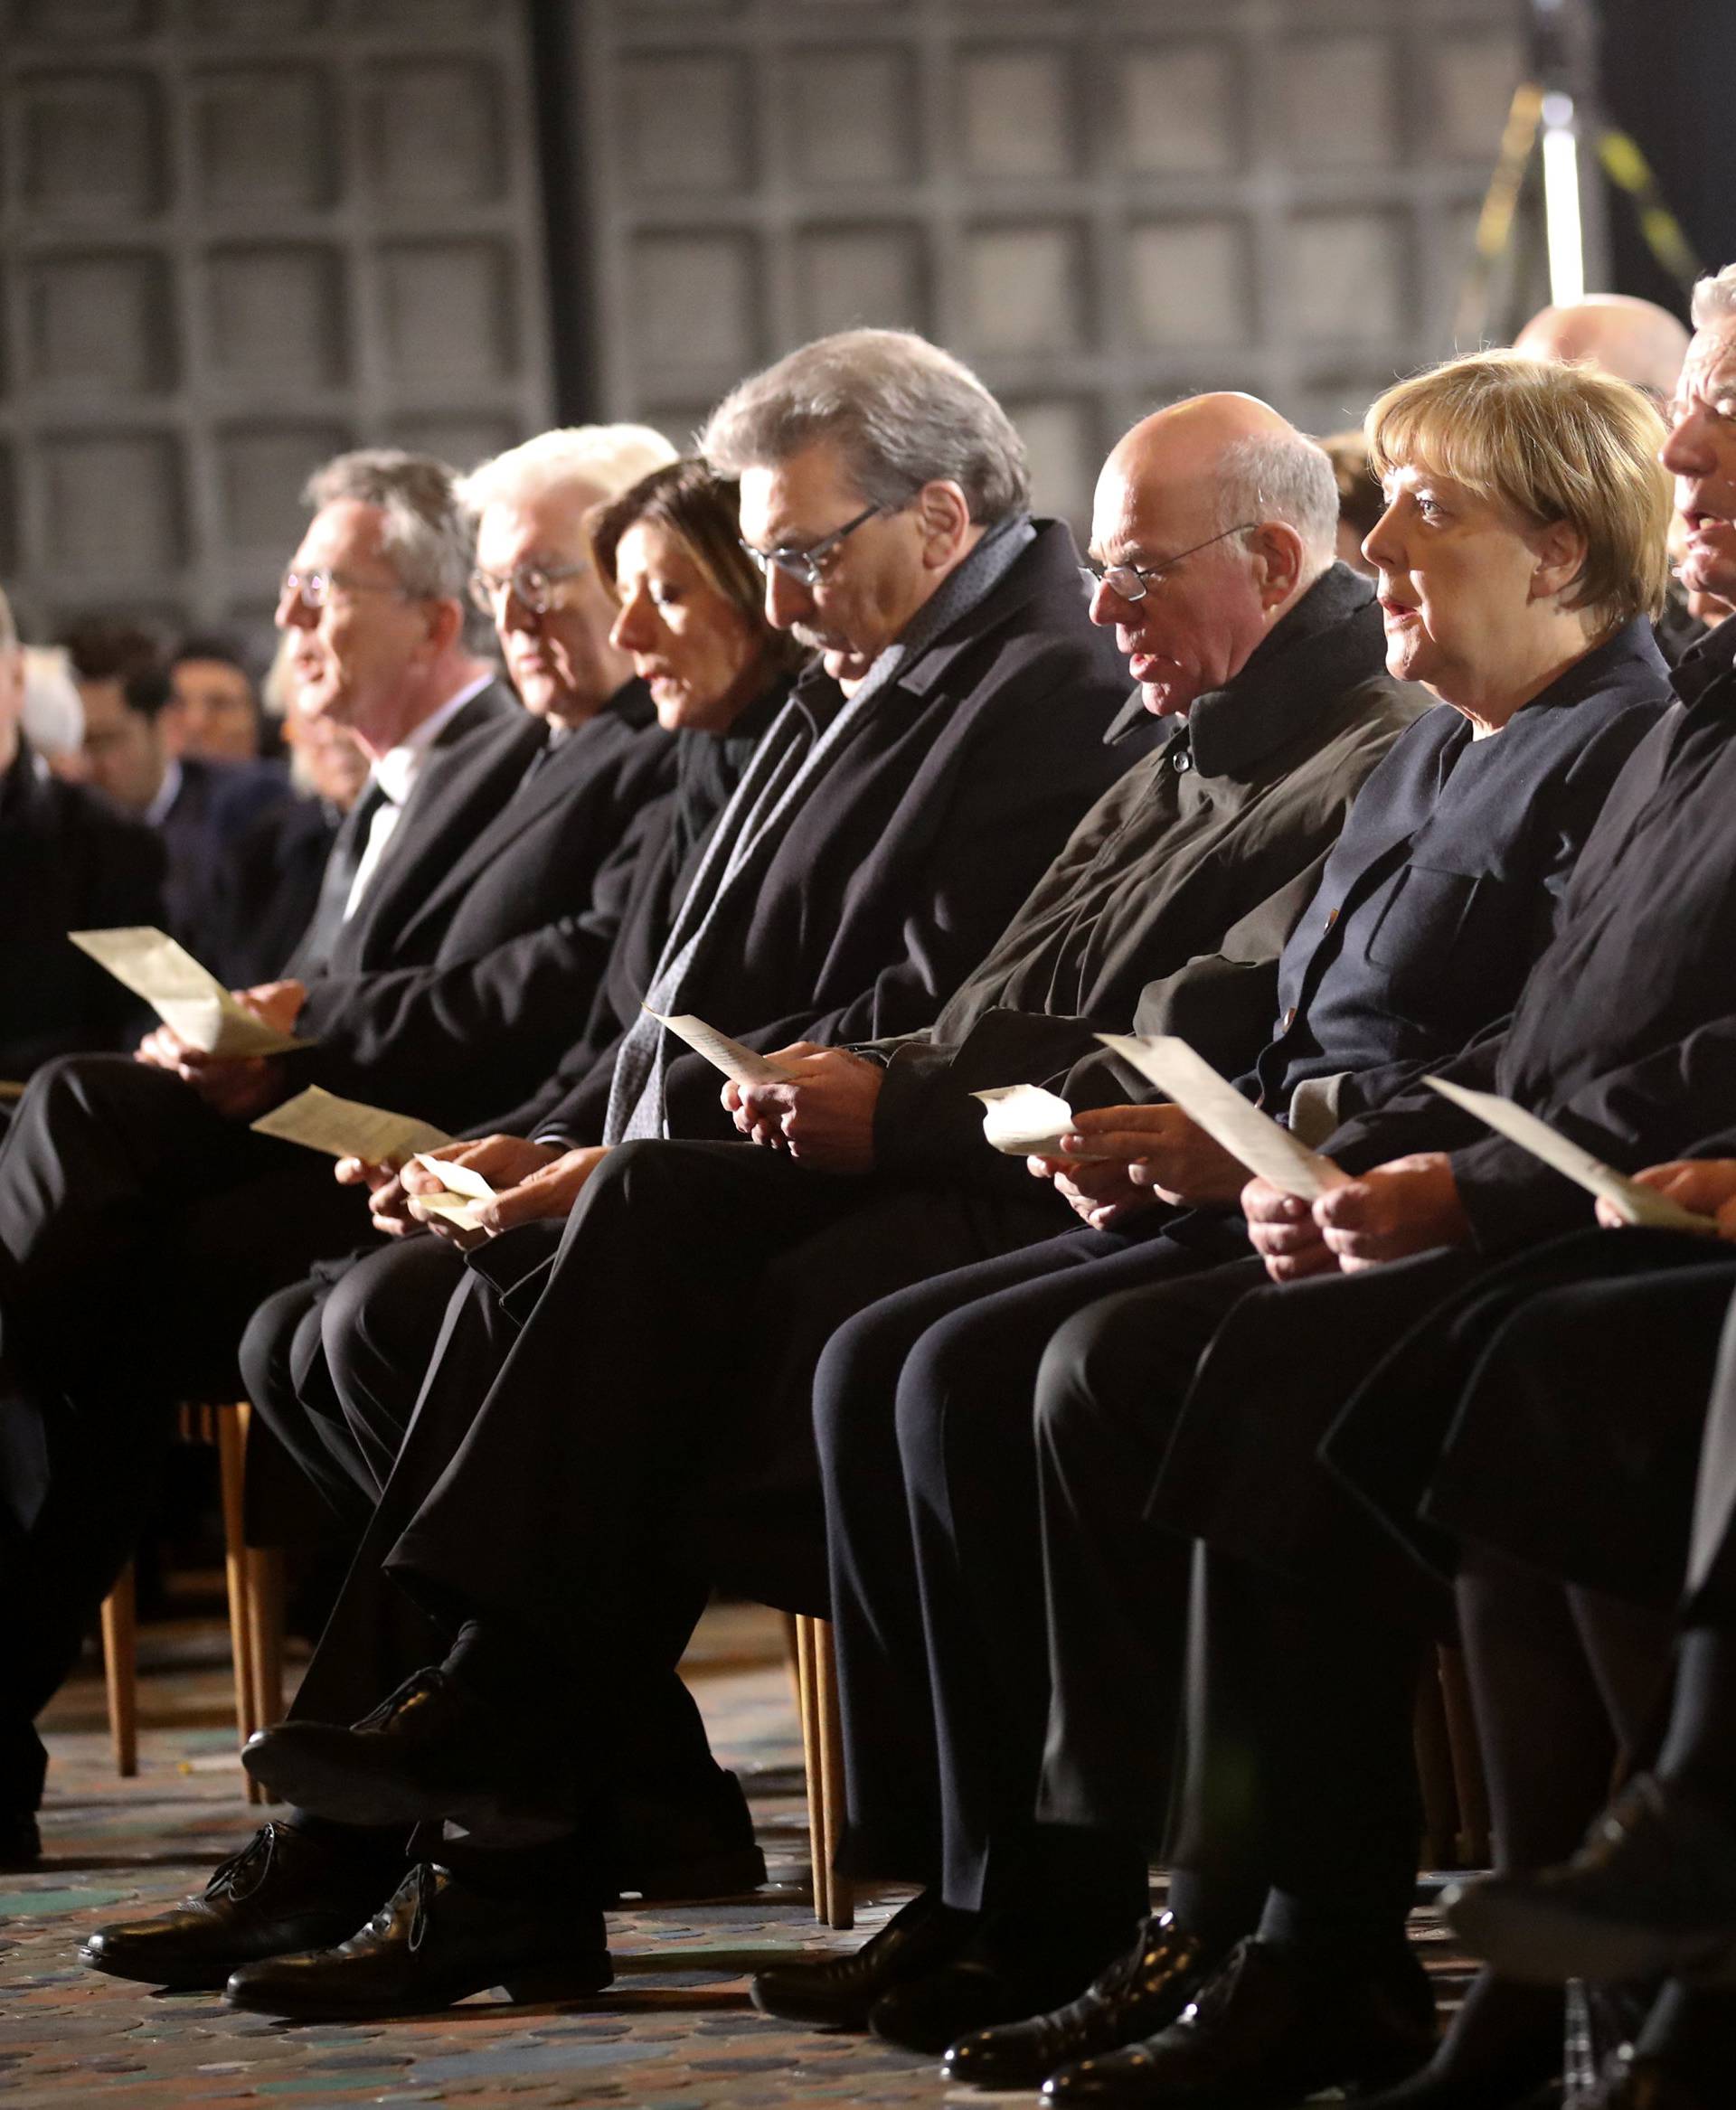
313 590
805 566
1132 582
536 586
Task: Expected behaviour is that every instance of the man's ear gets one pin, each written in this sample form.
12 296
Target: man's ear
944 513
445 625
1276 551
1559 550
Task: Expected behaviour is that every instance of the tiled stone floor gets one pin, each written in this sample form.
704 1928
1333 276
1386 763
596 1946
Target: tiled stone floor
675 2033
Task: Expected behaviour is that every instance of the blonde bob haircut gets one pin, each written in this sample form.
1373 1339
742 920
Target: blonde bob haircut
1550 443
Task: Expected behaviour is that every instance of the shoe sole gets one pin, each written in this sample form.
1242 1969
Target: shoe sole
1545 1943
529 1989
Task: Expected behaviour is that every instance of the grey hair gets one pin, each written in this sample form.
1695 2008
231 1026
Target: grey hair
425 539
9 625
1281 476
1714 299
606 459
901 411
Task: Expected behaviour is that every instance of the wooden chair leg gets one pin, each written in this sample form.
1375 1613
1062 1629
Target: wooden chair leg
840 1892
120 1670
793 1658
231 1448
813 1763
265 1613
1467 1760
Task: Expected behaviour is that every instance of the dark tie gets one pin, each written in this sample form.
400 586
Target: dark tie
320 938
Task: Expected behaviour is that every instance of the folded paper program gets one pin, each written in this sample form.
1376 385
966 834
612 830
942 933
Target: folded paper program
741 1065
1228 1119
1636 1204
184 995
464 1191
319 1120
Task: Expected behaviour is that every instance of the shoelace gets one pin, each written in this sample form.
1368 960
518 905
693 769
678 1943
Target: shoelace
242 1873
426 1883
1219 1990
394 1704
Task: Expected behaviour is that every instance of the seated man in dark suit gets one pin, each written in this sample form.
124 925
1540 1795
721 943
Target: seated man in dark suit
1180 884
68 861
199 806
447 958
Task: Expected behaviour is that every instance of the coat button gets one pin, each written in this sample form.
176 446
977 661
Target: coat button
1181 761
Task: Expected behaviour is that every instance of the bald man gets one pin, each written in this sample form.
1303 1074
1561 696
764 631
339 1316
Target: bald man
1635 340
657 1395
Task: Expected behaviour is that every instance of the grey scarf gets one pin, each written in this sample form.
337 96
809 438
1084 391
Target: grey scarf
776 784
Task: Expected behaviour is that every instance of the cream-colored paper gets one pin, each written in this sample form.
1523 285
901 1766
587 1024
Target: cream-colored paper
1213 1101
464 1191
184 994
1635 1203
1025 1121
319 1120
741 1065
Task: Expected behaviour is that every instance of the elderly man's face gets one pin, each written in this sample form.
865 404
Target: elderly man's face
870 584
1701 454
354 657
1199 621
212 710
559 657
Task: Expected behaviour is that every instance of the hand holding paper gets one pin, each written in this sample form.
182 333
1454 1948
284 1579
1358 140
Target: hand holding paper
741 1065
1025 1121
188 998
319 1120
1631 1202
461 1190
1236 1125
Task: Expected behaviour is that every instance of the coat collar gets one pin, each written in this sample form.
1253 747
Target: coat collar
1704 665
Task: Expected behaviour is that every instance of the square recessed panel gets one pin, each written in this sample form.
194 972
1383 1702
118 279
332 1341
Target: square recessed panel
1472 80
447 312
1189 283
113 505
1024 290
1018 112
260 473
276 315
851 276
695 302
1337 402
1059 437
99 325
461 438
92 145
850 117
1346 275
1181 109
78 21
434 131
682 122
1339 100
265 138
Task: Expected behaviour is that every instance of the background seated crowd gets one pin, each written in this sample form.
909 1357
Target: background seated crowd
1137 1489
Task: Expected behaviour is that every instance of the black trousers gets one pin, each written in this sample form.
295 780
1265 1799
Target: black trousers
923 1410
138 1231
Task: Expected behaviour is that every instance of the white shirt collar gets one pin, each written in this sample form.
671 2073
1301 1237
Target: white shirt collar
167 792
398 769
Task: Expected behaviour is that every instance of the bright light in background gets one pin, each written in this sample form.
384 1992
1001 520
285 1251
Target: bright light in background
1561 200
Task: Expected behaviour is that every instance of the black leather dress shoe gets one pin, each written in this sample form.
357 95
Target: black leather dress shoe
1651 1892
434 1941
1139 1994
1265 2032
428 1751
21 1844
691 1849
837 1994
282 1891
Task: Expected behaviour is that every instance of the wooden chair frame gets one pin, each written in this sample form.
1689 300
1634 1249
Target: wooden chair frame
254 1579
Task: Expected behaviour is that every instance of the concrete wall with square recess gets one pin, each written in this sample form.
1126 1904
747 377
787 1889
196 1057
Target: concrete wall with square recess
235 237
1102 203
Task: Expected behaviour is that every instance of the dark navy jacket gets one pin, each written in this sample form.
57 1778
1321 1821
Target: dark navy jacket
1442 891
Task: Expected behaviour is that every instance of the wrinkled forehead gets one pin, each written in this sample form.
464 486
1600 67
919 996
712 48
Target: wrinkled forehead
788 505
549 525
1148 510
342 535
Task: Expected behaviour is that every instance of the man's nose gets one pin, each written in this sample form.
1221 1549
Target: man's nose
787 600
